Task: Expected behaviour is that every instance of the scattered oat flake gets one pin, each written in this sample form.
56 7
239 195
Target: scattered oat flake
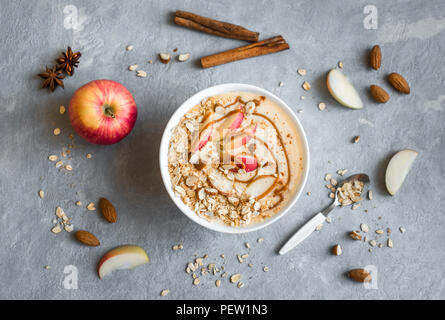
78 203
328 219
180 246
175 248
373 243
59 164
266 269
402 229
364 227
218 283
69 228
196 281
130 48
133 67
302 97
328 177
59 212
260 240
240 284
308 193
390 244
150 61
141 74
247 245
56 131
370 194
235 278
56 229
280 84
301 72
322 106
41 194
53 157
340 64
91 206
68 167
250 265
306 86
164 292
379 231
342 172
319 227
47 267
240 260
355 206
89 156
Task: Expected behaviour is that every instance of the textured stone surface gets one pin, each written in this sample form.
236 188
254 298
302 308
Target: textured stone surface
320 33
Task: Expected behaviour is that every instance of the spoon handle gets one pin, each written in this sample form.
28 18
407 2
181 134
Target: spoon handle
303 233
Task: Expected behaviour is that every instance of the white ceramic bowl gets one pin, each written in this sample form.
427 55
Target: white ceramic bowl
193 101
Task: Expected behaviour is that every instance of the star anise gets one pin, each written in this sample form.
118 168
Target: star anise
52 78
68 61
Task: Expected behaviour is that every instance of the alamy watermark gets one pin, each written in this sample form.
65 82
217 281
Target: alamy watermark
370 22
70 282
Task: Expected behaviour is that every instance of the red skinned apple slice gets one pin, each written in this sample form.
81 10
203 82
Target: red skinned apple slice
220 182
246 162
232 122
261 186
206 132
124 257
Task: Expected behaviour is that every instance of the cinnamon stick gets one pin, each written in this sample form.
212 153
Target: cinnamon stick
256 49
215 27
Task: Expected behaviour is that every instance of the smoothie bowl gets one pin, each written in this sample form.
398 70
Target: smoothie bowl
234 158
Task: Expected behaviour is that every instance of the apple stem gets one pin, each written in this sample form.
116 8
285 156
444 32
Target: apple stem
109 112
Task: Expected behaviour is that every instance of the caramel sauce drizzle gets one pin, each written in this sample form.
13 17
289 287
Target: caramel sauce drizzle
277 192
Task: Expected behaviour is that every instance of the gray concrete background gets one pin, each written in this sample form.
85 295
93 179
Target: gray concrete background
320 33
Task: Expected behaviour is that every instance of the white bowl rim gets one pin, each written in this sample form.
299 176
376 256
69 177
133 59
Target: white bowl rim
193 101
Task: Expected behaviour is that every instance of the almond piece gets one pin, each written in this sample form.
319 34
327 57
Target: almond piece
375 57
399 83
87 238
354 235
336 250
165 57
360 275
108 210
379 94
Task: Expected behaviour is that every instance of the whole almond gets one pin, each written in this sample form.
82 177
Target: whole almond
87 238
360 275
379 94
375 57
399 83
108 210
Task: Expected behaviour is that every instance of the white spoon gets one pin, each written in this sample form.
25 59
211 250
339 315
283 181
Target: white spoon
318 219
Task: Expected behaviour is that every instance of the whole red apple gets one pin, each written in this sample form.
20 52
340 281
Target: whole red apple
103 112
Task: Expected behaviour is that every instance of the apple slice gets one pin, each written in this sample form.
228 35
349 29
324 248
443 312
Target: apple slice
205 134
342 90
398 168
246 162
220 182
232 122
261 186
124 257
